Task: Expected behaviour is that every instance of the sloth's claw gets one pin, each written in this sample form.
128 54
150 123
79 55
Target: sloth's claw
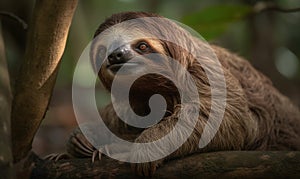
95 154
98 153
57 156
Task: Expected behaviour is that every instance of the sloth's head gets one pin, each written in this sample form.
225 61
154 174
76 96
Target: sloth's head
131 43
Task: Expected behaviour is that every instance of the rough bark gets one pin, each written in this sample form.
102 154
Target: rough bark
5 107
232 164
46 41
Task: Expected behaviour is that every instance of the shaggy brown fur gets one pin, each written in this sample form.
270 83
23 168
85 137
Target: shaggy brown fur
257 116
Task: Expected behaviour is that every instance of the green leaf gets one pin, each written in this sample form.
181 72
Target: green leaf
214 20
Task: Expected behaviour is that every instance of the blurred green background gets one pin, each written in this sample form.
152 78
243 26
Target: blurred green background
269 40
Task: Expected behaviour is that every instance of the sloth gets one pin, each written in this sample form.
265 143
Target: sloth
256 116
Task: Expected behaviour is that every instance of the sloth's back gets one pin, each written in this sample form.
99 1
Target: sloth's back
278 118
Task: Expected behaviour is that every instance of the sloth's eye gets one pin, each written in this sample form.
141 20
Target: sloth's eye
142 46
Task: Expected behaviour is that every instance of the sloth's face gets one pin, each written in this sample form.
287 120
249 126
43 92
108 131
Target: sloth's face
131 56
126 52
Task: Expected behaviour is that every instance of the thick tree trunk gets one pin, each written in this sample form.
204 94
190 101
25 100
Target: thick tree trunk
5 107
46 41
231 164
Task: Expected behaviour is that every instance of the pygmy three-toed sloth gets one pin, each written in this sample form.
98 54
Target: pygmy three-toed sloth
256 116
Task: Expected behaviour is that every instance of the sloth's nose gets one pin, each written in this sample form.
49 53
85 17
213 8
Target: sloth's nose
118 56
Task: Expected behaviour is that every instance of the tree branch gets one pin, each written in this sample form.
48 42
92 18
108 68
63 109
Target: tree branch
270 6
231 164
14 17
46 41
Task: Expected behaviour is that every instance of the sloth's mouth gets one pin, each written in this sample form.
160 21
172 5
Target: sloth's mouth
127 67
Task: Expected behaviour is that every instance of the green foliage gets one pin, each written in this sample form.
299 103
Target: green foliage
212 21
